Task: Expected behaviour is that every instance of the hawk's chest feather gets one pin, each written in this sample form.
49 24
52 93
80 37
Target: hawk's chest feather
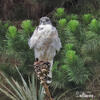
44 40
45 30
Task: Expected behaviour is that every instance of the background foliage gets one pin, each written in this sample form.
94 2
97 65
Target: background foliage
78 24
34 9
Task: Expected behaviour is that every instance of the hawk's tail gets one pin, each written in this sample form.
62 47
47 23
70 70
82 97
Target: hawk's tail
49 78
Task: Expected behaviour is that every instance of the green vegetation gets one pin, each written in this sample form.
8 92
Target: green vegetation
62 22
24 91
73 25
87 18
74 66
59 12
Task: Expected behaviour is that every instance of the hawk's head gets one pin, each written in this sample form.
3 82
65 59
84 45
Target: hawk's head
45 20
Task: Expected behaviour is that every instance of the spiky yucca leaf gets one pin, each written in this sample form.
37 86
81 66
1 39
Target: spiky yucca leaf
20 92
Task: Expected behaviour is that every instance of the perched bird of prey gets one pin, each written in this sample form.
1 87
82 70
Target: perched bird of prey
46 42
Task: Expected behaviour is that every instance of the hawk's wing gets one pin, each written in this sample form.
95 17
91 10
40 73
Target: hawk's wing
32 41
56 43
45 36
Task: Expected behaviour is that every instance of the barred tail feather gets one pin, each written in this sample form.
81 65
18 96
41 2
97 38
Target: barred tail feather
49 80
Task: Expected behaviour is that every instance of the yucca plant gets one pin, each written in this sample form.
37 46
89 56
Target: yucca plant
62 22
19 43
87 18
59 13
18 39
94 25
11 38
72 17
27 26
59 76
73 25
16 49
16 91
69 46
71 56
3 30
12 31
76 70
91 48
77 73
90 35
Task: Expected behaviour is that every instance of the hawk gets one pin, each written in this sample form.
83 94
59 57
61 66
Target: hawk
46 42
